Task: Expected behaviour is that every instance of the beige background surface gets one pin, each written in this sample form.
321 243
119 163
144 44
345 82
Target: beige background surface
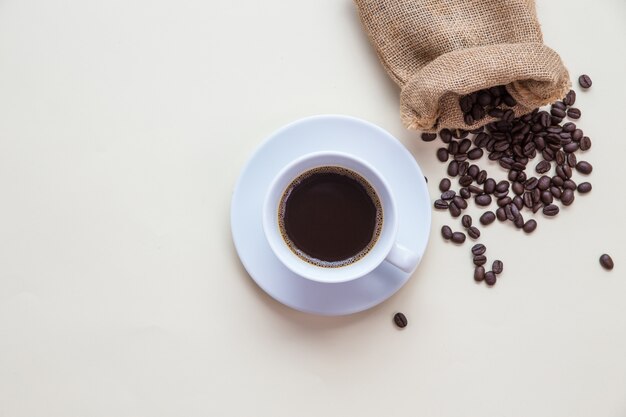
123 128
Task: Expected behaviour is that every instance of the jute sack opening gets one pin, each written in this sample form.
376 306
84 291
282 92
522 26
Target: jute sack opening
439 50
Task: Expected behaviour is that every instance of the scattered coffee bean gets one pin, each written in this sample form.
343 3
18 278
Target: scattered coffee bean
570 98
530 226
480 260
501 214
441 205
465 193
466 221
429 137
455 211
543 167
490 278
584 81
489 186
448 195
483 199
446 232
453 168
487 217
497 267
573 113
475 153
479 273
444 185
584 167
551 210
567 197
584 187
606 261
458 237
473 232
585 143
478 249
400 320
442 154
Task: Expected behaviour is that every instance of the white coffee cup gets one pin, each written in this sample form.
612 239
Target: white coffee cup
385 249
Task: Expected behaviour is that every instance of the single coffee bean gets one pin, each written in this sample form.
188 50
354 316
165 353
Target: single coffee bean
568 127
571 158
463 167
487 217
501 214
551 210
530 226
490 278
513 175
528 199
441 204
567 197
577 135
502 186
455 211
584 167
543 183
473 232
475 153
569 184
517 187
556 112
514 211
429 137
584 81
556 191
531 183
570 98
543 167
453 168
479 273
466 221
559 105
448 195
481 177
445 135
573 113
475 190
466 103
536 195
497 266
585 143
483 199
546 197
442 154
501 202
489 186
478 249
584 187
537 207
559 157
444 185
466 180
400 320
473 171
446 232
453 148
460 202
519 202
558 181
458 237
464 145
519 221
465 192
606 261
480 260
484 98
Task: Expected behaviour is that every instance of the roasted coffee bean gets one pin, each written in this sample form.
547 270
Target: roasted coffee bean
543 183
606 261
460 202
556 120
501 202
559 105
546 197
481 177
562 172
577 135
455 211
519 221
445 135
442 154
463 167
483 199
429 137
501 214
400 320
453 148
473 171
466 103
585 143
509 213
458 237
518 188
473 232
551 210
500 194
509 101
479 273
444 185
556 191
558 181
466 221
528 199
573 113
502 186
480 260
465 193
453 168
530 226
584 81
489 186
568 127
475 153
487 217
537 207
584 167
448 195
446 232
569 184
584 187
531 183
478 249
556 112
519 202
464 145
514 211
468 119
559 157
497 266
567 197
536 195
570 98
481 140
490 278
543 167
484 98
475 190
466 180
571 158
513 175
441 205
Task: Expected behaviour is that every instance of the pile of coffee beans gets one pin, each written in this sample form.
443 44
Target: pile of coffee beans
538 151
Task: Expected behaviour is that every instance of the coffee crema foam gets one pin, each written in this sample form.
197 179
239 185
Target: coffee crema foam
330 170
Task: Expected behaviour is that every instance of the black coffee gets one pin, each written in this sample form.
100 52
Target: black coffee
330 216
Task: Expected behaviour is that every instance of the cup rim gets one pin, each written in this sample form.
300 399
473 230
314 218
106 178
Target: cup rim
274 238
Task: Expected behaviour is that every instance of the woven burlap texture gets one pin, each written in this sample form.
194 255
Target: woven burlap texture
439 50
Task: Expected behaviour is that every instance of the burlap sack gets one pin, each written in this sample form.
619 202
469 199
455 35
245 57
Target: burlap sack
438 50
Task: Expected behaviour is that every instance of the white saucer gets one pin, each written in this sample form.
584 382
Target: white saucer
328 133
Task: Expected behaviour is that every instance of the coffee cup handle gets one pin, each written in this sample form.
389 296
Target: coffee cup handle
402 258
